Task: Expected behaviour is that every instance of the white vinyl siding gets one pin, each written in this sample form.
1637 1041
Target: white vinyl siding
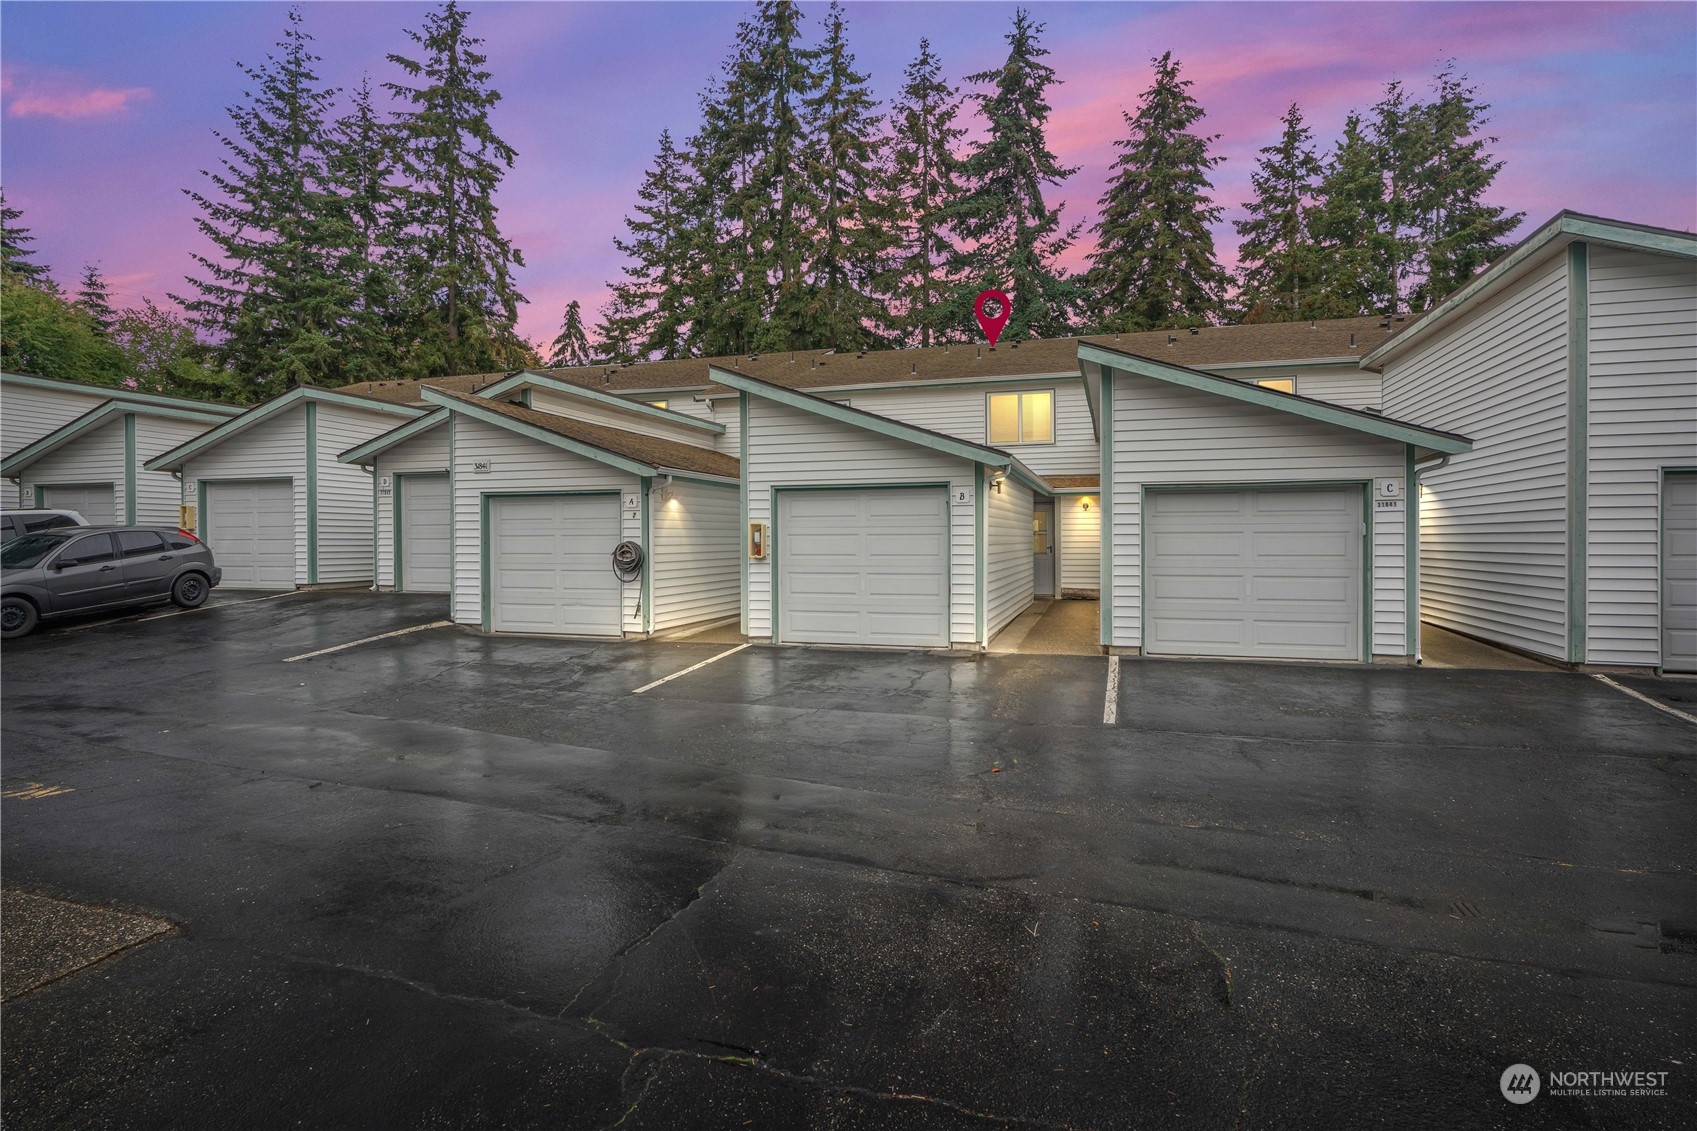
1008 566
158 494
1080 542
93 457
642 423
1493 522
27 414
344 491
695 557
98 457
427 451
960 411
1165 435
271 449
790 447
1643 417
521 464
1346 385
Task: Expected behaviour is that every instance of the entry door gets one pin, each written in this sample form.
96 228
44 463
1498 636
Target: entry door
864 567
94 501
551 565
1679 572
423 533
250 526
1043 547
1265 572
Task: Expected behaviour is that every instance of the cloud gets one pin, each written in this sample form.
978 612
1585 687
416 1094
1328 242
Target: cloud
42 96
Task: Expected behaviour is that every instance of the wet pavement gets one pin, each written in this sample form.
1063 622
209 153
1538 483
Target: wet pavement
449 880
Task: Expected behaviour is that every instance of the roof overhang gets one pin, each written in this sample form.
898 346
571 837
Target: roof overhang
96 418
174 459
1354 419
364 454
541 435
1565 228
118 393
529 378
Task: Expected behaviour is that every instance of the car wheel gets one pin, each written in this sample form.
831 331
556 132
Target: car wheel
17 618
190 591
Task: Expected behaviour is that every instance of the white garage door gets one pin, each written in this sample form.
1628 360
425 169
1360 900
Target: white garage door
424 533
1270 572
551 563
864 567
1679 572
251 529
93 501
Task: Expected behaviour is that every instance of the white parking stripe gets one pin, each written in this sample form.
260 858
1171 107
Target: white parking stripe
1111 701
1674 711
692 667
369 639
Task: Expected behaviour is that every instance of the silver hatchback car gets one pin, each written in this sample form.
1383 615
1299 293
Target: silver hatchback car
82 569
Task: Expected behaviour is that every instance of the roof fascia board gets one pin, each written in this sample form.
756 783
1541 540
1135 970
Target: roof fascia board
543 381
525 428
1031 479
377 445
95 418
858 418
1280 363
117 393
947 382
698 476
1566 226
1232 389
258 414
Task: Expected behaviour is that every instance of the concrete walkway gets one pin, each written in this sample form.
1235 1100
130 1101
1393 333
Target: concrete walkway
1440 648
1053 628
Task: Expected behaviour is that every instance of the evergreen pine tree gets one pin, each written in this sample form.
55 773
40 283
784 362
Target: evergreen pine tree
455 264
1351 250
1400 130
571 348
276 301
854 235
1277 263
361 170
650 314
924 189
15 256
1015 237
1459 232
96 300
1154 263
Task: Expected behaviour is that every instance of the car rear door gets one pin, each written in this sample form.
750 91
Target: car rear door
148 564
96 578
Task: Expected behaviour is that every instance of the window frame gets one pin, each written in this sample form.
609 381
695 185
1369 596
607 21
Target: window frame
1019 416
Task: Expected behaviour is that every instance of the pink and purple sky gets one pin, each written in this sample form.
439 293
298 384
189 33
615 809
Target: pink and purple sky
108 108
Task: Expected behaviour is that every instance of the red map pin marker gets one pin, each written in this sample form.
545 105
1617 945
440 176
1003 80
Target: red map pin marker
992 323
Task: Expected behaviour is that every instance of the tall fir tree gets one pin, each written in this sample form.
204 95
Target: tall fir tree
455 265
1400 129
1277 264
362 172
650 314
275 300
95 298
1015 238
16 256
1459 233
571 347
924 189
1352 250
1154 263
854 233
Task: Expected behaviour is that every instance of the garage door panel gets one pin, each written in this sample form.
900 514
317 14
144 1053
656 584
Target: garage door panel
251 529
550 562
96 502
1273 572
863 567
1679 572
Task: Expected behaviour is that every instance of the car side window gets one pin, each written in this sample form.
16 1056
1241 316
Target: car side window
8 528
138 543
94 549
34 522
178 542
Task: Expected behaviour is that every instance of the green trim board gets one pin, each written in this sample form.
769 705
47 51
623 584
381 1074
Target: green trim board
1105 489
1410 554
96 417
377 445
646 597
742 465
174 459
530 431
529 379
453 526
1563 226
1578 446
376 541
311 493
1233 389
128 396
129 469
980 543
860 418
483 499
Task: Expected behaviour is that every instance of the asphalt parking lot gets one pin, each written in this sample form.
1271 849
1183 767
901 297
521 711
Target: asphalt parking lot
447 880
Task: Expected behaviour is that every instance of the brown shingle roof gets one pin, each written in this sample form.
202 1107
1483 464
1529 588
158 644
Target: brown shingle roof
406 392
1064 482
652 450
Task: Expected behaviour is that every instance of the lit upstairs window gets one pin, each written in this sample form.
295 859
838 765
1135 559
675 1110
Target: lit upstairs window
1279 384
658 404
1022 418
